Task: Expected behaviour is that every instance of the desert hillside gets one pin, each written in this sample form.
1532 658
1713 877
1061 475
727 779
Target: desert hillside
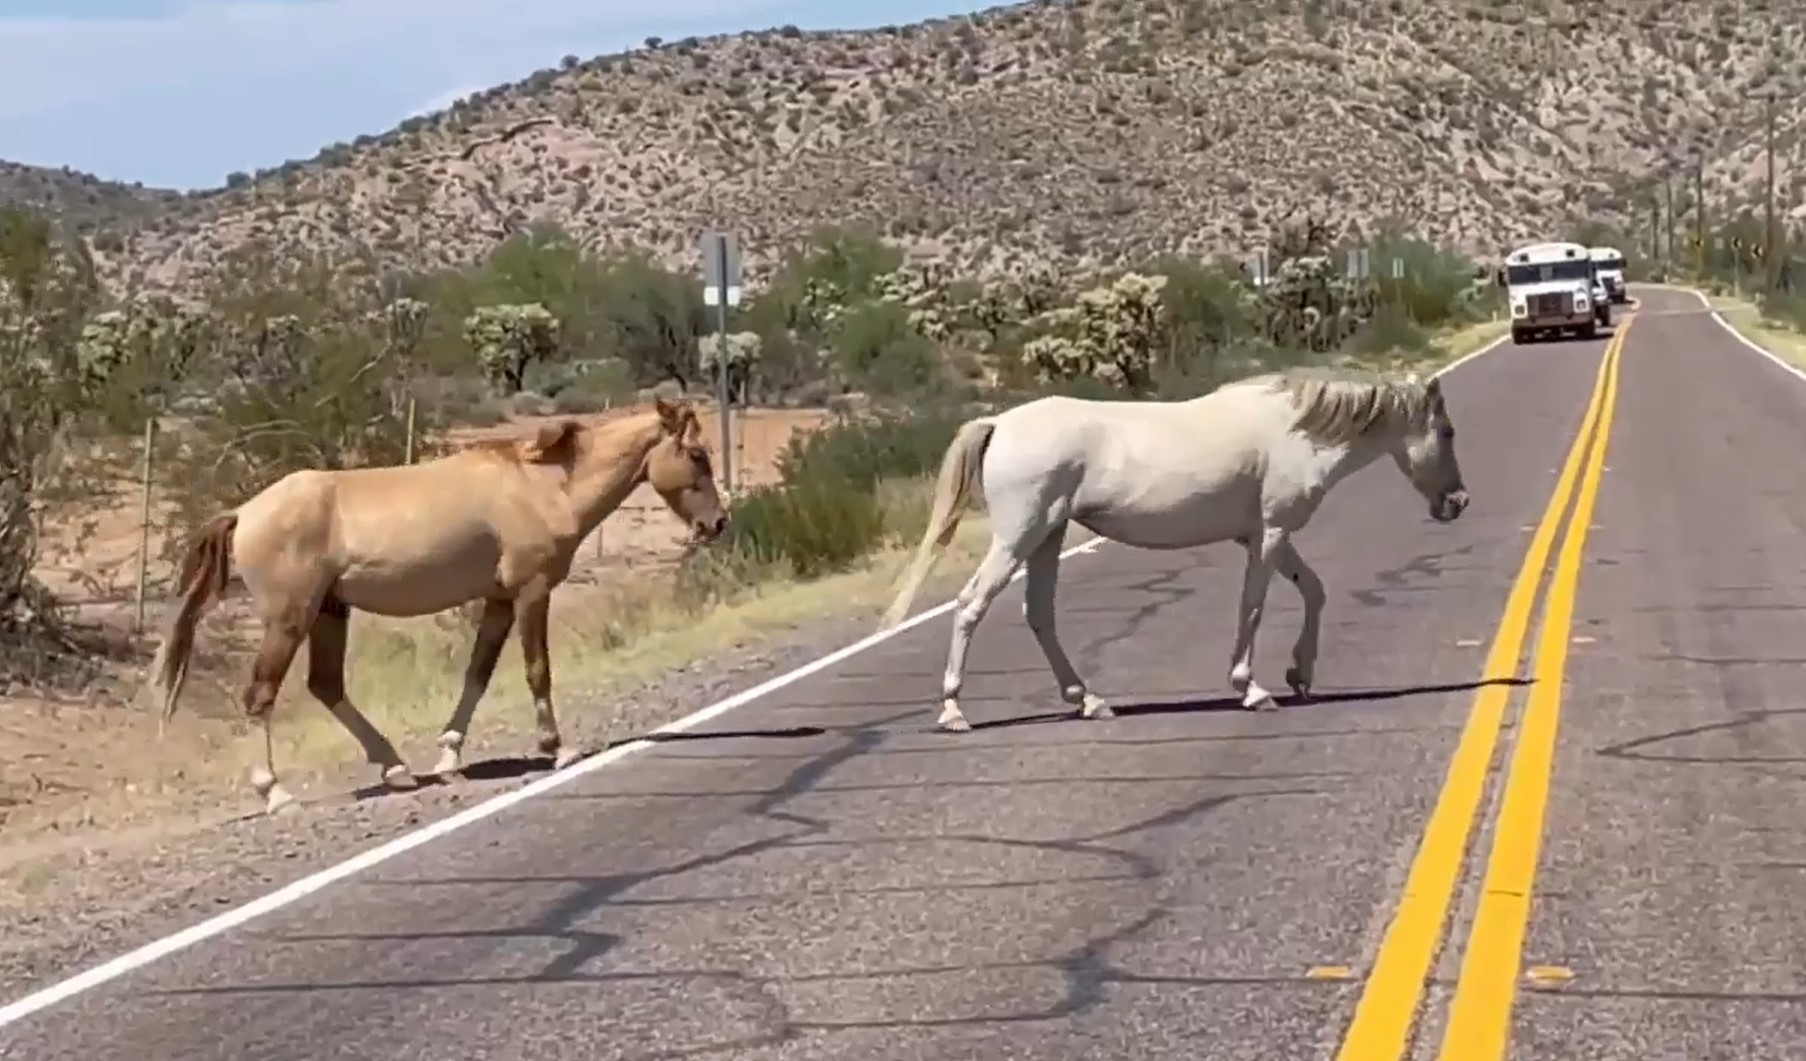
1091 128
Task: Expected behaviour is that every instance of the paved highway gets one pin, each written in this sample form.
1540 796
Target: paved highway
830 879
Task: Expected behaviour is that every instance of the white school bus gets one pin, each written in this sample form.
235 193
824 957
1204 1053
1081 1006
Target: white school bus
1553 288
1608 263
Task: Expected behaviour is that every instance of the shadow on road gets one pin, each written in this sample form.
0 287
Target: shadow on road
1206 705
515 767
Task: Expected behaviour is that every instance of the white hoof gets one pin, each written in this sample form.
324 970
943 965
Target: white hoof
277 799
1257 699
1301 685
400 778
952 720
450 764
565 757
1094 706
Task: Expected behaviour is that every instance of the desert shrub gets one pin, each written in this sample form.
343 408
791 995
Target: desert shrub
859 453
829 506
877 349
804 529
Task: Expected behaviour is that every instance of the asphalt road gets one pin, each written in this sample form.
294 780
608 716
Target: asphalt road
822 876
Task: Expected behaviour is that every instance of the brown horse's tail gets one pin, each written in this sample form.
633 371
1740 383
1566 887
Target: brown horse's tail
952 491
206 569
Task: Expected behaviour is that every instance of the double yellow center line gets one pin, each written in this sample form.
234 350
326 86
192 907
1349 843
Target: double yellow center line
1480 1014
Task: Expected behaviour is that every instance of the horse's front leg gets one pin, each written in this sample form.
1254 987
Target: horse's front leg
1304 654
1262 553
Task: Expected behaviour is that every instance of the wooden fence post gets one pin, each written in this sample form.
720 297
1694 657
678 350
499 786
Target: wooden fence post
144 520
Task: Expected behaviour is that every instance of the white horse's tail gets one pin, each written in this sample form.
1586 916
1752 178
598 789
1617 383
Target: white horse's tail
952 492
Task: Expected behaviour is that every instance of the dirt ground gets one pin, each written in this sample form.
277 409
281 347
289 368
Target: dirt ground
64 763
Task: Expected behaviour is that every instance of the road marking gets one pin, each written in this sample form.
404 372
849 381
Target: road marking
1479 1022
1582 639
1545 975
1468 642
292 893
1731 329
1329 972
1383 1017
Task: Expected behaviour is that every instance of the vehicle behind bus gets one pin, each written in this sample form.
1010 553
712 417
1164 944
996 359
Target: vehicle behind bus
1608 263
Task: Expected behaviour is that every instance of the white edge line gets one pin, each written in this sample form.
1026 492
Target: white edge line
1718 318
156 950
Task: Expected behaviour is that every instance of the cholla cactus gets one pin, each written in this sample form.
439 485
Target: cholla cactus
922 291
402 323
823 303
1309 304
742 348
107 341
742 360
508 338
161 337
1111 334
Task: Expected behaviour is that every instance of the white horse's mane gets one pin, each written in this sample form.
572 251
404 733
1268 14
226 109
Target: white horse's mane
1337 406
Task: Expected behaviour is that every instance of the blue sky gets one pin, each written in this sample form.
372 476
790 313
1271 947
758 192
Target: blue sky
179 93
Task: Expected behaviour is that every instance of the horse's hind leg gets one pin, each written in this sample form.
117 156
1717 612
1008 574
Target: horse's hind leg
1291 565
283 632
326 681
1261 561
1041 577
492 634
975 599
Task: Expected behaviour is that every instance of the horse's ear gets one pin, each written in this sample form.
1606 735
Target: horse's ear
671 415
550 444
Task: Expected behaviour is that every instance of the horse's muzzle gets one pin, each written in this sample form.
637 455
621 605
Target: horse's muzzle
1448 507
709 530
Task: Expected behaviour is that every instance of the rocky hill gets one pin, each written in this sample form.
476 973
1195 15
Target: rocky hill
87 202
1065 131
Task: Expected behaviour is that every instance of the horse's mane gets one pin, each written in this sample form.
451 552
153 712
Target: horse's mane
1337 406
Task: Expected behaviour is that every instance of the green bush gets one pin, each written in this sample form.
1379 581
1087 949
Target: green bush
804 529
858 453
829 507
877 349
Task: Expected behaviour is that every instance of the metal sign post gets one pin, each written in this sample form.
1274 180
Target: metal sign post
721 288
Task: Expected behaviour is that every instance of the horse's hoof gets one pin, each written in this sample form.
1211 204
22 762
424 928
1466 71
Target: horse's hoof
1095 708
278 799
1300 687
400 779
952 721
565 757
449 766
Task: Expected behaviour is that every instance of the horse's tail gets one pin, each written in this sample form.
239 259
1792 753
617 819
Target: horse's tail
206 570
952 492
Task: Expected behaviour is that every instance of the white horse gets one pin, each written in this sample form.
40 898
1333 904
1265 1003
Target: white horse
1250 461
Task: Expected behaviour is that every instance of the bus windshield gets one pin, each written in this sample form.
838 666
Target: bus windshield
1575 269
1613 262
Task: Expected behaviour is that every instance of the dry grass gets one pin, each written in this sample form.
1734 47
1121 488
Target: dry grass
1094 129
1777 337
88 770
1455 343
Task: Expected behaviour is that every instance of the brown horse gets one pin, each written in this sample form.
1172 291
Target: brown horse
497 522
